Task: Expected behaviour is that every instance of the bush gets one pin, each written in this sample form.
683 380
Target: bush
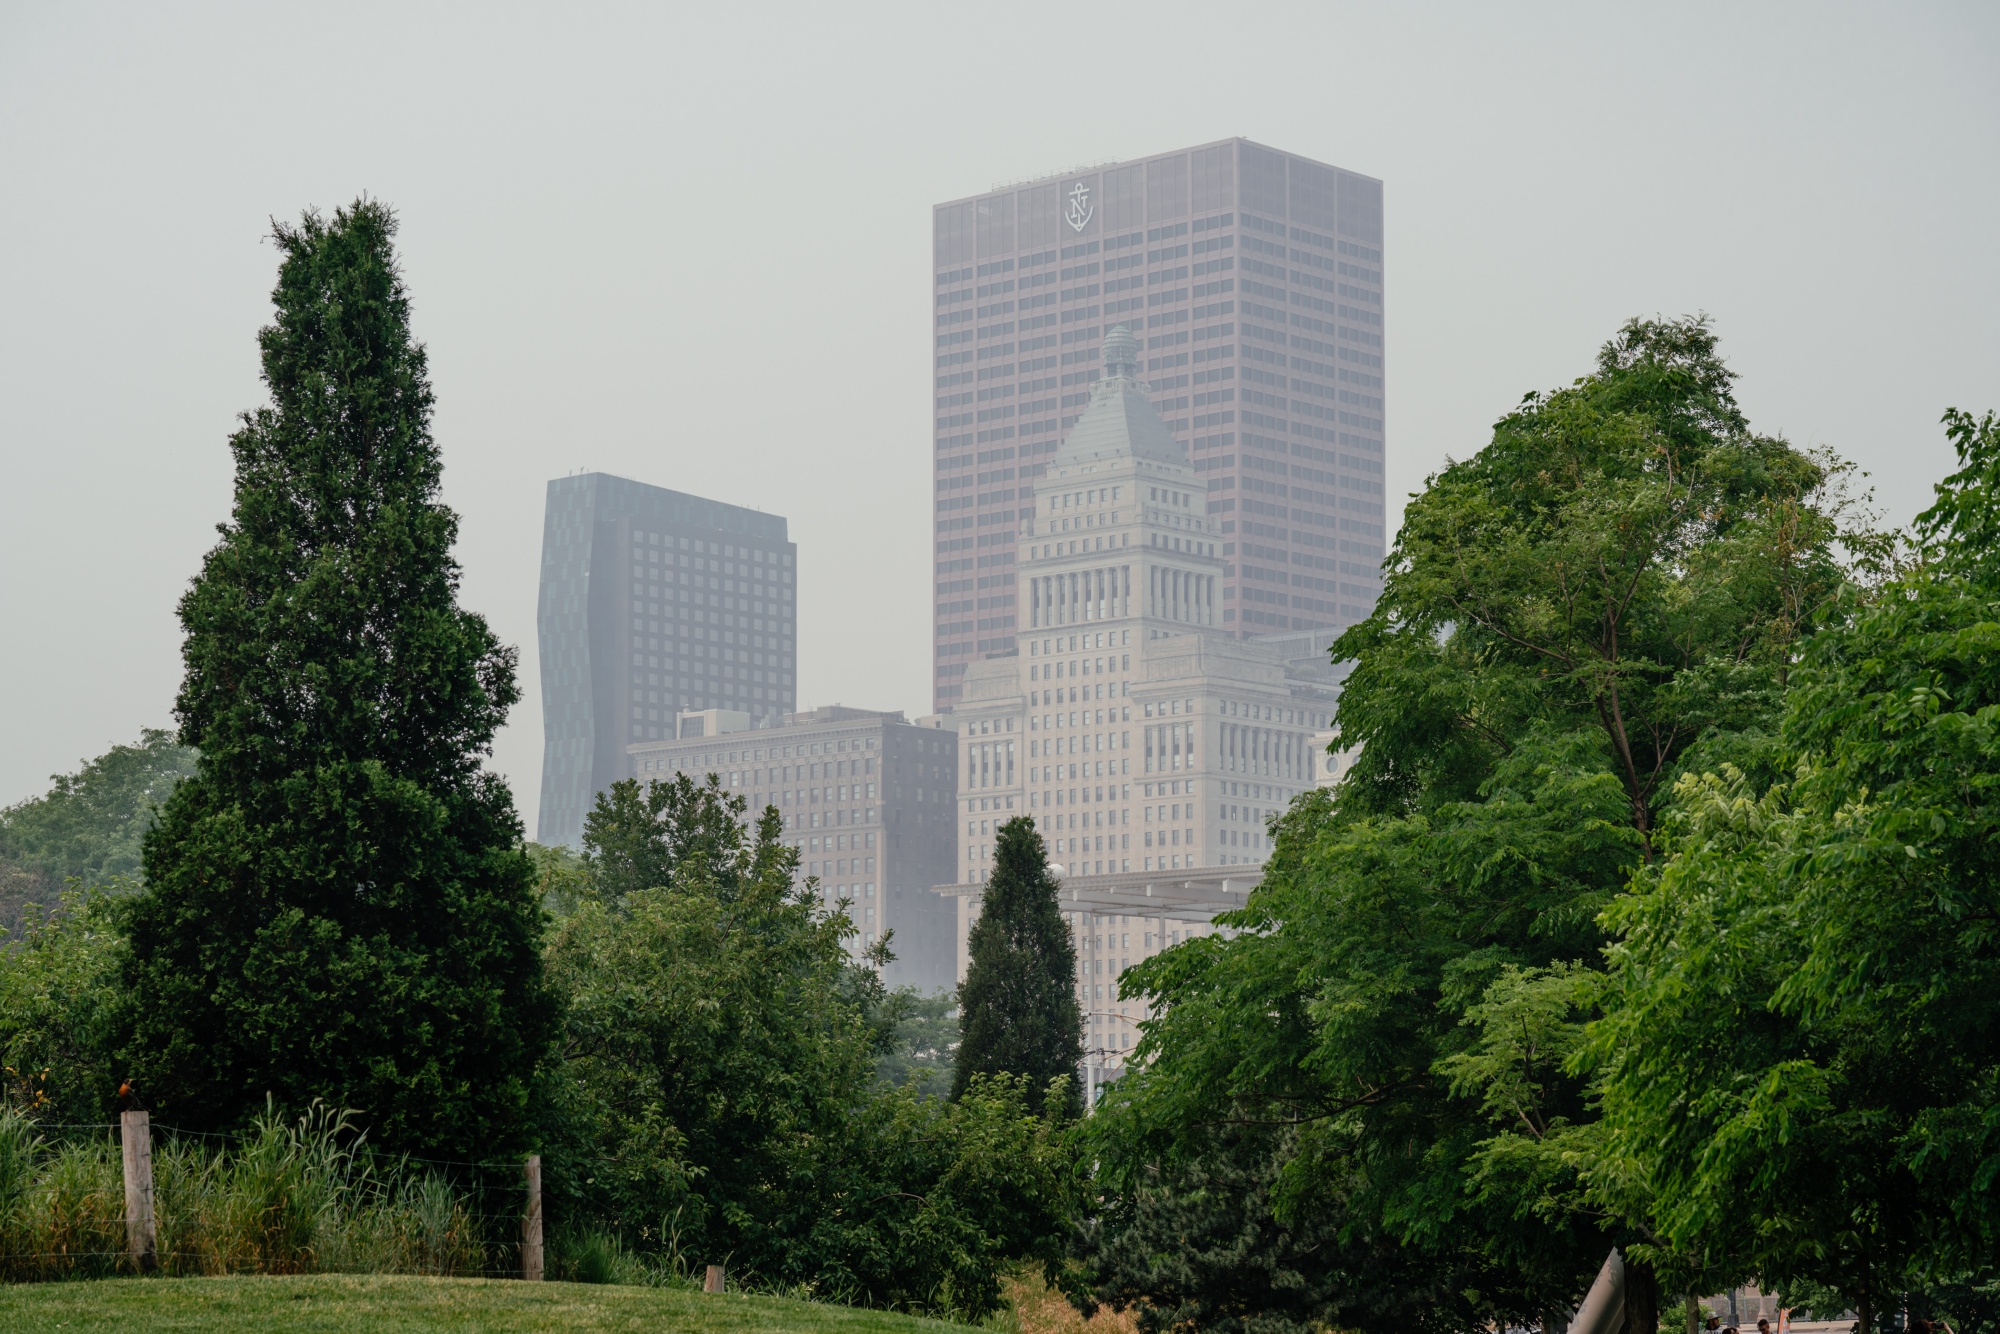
291 1198
55 994
722 1102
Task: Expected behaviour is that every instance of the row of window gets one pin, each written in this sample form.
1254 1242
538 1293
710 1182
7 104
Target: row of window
769 600
844 792
1172 231
1083 272
1207 355
1224 462
718 761
696 554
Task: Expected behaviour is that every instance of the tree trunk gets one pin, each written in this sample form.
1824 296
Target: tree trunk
1642 1298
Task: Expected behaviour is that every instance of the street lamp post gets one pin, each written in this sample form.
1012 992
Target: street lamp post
1094 1061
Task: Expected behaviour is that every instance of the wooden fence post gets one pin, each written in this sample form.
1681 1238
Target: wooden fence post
712 1282
135 1134
531 1223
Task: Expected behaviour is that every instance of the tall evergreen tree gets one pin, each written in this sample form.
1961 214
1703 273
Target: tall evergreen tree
337 904
1018 1007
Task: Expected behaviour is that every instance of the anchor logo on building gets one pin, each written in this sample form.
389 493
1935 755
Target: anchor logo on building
1078 213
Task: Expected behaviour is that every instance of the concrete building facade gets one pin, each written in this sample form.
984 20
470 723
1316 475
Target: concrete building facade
1147 739
868 799
1130 720
1254 280
652 602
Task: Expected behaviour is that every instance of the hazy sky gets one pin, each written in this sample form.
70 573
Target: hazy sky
691 245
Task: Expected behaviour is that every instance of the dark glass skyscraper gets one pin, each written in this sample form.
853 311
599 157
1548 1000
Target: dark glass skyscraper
1254 280
652 602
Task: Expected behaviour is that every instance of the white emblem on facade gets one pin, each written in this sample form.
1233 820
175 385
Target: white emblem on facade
1078 213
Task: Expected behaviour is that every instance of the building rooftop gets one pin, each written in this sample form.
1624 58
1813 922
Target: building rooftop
841 713
1120 421
1196 894
660 504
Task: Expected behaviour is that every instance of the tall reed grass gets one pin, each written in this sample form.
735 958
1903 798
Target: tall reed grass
306 1196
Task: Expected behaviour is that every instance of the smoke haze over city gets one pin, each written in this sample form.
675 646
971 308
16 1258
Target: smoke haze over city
695 249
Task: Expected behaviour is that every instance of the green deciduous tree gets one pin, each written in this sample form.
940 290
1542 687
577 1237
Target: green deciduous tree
925 1045
721 1098
683 831
929 1199
1625 559
562 878
1607 593
1801 1050
639 837
337 905
1198 1242
707 1037
58 982
1018 1008
89 825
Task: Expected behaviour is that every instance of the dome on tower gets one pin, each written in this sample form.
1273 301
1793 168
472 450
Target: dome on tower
1120 421
1121 352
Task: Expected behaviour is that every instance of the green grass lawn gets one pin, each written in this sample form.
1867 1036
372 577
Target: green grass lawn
369 1304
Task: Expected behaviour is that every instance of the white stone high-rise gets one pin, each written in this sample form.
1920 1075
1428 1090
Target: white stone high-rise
1150 743
1136 728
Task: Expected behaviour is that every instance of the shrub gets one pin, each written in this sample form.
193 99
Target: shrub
305 1196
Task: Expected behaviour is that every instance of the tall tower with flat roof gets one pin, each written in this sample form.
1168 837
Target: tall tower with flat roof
1252 281
653 602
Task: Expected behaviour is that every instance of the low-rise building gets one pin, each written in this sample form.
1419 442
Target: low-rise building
868 798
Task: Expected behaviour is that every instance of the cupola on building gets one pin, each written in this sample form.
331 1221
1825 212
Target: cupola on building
1139 732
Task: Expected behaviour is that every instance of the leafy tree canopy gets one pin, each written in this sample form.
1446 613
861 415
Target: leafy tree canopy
58 982
1625 559
1806 997
706 1027
723 1093
1609 592
1199 1242
336 904
640 837
925 1044
89 825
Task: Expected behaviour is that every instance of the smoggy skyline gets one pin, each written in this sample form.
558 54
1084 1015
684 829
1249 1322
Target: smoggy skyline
695 250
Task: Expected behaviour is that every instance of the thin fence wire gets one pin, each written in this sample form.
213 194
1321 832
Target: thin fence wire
75 1125
329 1203
121 1254
361 1146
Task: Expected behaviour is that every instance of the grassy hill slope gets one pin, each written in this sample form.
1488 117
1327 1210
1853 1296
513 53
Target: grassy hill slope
369 1304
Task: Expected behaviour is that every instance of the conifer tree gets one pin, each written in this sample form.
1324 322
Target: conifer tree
337 905
1019 1014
